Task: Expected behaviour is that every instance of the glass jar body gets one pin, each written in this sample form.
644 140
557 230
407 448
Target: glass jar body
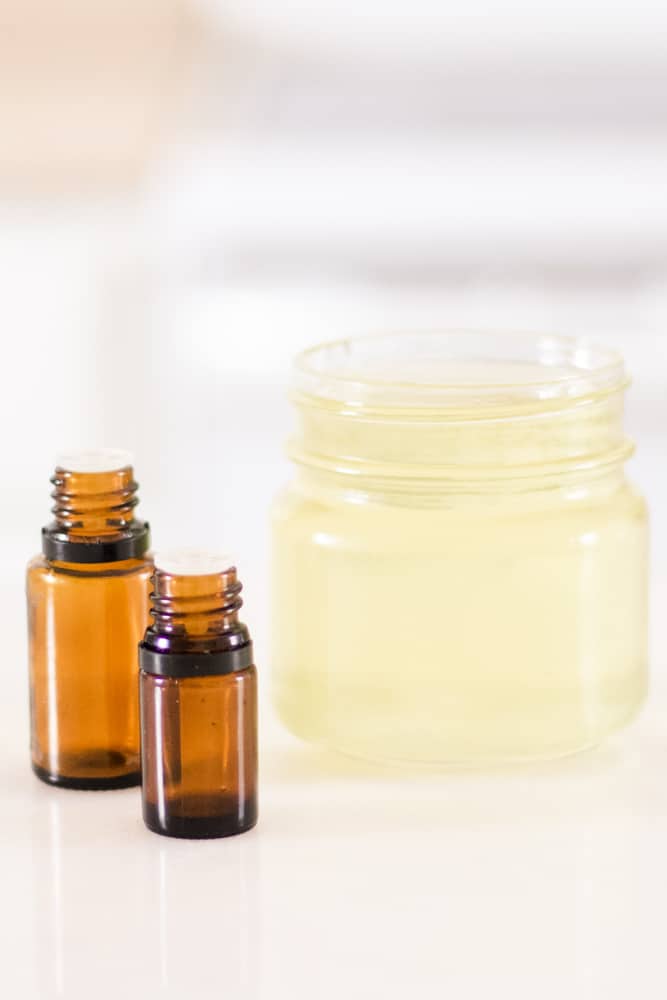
459 626
85 622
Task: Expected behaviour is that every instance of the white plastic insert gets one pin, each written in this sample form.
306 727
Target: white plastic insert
192 562
94 460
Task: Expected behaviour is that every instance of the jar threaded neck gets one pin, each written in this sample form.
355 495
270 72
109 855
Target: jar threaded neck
461 408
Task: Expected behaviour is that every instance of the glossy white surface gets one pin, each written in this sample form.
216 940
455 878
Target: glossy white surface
359 881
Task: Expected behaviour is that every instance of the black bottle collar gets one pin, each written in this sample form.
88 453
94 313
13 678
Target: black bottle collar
57 546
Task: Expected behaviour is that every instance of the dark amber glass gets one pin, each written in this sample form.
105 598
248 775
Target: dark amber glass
199 754
198 709
85 620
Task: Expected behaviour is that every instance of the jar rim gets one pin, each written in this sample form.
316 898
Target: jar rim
450 369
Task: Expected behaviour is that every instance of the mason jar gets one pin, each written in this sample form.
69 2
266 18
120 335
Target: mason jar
460 563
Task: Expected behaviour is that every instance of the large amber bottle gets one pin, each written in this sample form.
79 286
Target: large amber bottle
198 702
87 611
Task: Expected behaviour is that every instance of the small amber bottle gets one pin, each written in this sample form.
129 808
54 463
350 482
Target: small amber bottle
87 610
198 688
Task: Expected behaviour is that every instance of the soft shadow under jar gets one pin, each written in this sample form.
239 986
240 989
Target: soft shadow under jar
460 564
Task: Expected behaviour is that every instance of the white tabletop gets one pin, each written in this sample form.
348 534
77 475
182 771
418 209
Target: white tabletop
542 881
545 881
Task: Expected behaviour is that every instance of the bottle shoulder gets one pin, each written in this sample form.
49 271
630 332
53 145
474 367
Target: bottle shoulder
236 678
39 566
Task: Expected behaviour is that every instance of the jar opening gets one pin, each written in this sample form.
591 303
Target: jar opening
456 370
460 407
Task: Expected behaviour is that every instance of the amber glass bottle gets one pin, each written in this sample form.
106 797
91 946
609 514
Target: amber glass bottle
87 610
198 702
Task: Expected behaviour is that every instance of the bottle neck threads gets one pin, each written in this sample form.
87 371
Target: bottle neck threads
94 504
195 630
94 518
197 606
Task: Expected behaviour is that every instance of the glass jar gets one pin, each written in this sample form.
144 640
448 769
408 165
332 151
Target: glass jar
460 565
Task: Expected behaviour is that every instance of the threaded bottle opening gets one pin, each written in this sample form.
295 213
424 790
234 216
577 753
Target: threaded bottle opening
95 495
94 504
194 593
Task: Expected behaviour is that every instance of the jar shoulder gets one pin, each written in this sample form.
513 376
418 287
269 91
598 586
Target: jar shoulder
574 517
295 499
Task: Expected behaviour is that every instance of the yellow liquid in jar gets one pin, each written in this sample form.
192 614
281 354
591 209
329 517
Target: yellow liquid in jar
460 568
458 634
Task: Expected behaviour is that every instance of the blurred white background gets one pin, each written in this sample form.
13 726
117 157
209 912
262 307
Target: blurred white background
191 192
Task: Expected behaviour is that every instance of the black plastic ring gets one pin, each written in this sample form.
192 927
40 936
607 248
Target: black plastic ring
58 547
225 661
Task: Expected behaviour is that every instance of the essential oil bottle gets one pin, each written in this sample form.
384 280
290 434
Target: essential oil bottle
87 610
198 687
